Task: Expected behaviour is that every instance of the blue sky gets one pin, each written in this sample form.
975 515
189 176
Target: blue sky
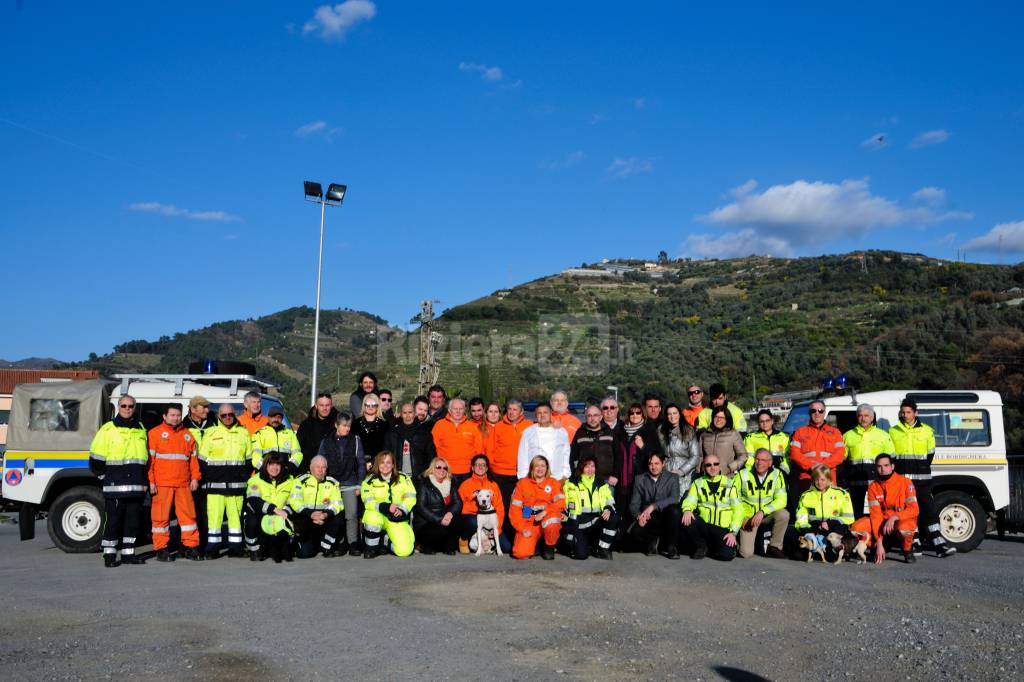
153 160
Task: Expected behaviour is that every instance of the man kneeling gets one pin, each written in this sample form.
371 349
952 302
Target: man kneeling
319 512
893 510
762 493
718 515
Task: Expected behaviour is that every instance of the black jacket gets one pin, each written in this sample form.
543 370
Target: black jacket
372 434
430 505
600 443
346 464
312 431
421 446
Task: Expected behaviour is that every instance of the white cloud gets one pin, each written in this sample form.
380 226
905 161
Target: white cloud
928 138
812 213
492 74
735 245
318 128
1003 238
624 168
640 103
332 23
876 141
567 161
597 118
930 195
172 211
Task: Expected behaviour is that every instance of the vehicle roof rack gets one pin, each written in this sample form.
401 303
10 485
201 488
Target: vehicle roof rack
233 381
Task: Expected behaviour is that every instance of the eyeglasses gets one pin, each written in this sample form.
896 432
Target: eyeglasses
480 465
129 406
697 392
632 412
815 410
227 414
609 407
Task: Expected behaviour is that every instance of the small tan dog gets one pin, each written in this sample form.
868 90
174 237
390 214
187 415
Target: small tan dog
856 546
814 544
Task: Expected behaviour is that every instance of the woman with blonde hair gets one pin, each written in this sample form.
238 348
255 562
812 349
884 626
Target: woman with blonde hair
371 426
388 498
824 508
438 507
537 506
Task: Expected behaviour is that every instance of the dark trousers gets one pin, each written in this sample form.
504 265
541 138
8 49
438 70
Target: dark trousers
662 526
506 485
711 537
121 529
314 537
589 532
928 515
858 492
433 537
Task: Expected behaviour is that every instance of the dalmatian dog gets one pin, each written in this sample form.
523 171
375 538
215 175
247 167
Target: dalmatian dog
486 537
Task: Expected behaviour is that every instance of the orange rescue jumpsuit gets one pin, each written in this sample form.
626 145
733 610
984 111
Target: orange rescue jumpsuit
813 445
529 499
173 465
895 496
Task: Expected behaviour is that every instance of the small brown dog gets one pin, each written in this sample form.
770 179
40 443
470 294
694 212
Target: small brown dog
856 546
814 544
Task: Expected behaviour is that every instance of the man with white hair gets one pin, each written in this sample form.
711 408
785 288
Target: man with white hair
863 442
561 416
320 512
457 439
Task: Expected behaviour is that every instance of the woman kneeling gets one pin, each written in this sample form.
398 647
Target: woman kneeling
267 515
388 497
536 510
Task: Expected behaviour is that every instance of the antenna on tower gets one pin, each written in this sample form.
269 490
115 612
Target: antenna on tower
430 367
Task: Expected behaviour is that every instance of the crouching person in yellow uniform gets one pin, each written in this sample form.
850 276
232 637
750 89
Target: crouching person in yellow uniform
319 512
267 515
388 497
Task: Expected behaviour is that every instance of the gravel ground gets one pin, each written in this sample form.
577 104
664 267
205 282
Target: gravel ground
437 617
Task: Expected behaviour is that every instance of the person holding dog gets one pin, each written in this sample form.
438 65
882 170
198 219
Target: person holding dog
762 493
655 506
893 511
719 512
824 508
537 506
438 509
590 505
480 479
388 498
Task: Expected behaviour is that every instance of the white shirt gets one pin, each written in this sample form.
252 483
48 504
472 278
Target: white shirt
552 442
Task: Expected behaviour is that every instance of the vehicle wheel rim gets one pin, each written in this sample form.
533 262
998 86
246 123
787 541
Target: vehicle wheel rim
81 521
957 523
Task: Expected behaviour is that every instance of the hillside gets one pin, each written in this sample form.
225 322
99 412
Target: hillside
758 324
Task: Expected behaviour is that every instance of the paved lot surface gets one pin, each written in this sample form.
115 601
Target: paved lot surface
437 617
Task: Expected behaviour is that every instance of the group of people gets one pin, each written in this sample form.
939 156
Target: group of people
447 476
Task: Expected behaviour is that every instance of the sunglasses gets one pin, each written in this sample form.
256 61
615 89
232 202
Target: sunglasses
385 400
711 464
127 406
634 412
441 468
609 407
815 410
227 414
697 392
371 405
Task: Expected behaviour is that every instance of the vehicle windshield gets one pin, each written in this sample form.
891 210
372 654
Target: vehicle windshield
798 416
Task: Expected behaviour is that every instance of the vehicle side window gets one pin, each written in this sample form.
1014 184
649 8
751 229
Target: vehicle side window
958 427
844 420
266 403
5 417
151 414
53 415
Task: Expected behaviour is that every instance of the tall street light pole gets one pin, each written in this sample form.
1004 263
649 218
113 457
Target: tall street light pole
335 195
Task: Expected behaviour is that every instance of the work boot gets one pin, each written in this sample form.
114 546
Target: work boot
603 553
944 550
700 552
164 556
236 553
371 552
909 557
775 553
463 546
354 550
341 550
287 549
918 550
671 552
132 560
547 553
652 547
212 554
256 555
110 561
192 554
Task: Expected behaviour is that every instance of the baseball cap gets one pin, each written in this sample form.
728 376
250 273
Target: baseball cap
275 411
